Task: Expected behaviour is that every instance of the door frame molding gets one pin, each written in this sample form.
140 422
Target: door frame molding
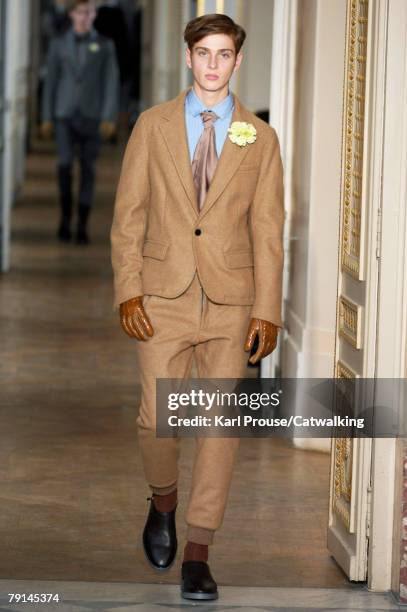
391 145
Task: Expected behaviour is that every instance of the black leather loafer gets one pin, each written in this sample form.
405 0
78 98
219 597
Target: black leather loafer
197 581
160 537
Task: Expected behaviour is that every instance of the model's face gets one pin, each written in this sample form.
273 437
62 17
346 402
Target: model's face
83 17
213 60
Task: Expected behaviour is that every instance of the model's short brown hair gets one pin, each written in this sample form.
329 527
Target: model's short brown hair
215 23
73 4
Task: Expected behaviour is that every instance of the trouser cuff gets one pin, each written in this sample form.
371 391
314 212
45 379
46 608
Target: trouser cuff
200 535
163 490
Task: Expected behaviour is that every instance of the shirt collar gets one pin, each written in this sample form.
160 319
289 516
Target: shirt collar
194 105
91 34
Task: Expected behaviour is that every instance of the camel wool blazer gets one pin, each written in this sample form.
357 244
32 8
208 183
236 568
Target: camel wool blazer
159 239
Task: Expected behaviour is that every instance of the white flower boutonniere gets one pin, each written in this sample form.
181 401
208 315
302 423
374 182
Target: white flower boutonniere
94 47
242 133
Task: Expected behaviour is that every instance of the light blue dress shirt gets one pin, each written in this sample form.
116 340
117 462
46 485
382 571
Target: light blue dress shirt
194 123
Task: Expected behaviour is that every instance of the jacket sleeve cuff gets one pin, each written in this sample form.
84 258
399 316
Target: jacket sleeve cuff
258 313
123 297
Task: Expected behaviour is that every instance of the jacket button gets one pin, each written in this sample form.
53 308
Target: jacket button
198 232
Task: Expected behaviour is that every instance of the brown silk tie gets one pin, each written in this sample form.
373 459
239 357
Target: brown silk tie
205 157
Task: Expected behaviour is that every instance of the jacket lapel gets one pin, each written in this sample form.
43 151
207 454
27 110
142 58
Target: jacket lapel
93 38
72 51
174 133
173 130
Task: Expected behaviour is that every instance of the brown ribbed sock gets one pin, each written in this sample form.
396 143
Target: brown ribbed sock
165 503
195 552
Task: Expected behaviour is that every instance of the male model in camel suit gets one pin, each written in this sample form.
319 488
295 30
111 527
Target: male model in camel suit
197 255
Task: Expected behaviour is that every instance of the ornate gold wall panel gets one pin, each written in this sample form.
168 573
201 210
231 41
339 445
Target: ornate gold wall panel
350 322
343 453
343 480
344 371
355 82
351 247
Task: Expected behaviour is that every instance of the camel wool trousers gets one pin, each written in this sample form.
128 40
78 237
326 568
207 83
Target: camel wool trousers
189 327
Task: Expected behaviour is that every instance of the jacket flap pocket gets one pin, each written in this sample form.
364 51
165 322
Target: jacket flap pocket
239 259
155 249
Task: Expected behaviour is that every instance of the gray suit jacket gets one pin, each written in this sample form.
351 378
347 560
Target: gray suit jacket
93 88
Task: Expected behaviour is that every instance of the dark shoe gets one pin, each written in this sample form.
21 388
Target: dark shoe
197 581
82 237
64 231
83 216
160 537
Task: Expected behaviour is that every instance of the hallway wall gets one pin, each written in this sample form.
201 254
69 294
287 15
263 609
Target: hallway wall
254 80
163 64
314 220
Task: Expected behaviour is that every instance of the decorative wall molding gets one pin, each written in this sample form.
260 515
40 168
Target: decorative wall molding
355 84
345 371
350 322
341 503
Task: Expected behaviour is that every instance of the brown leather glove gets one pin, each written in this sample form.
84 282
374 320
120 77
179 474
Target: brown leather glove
267 333
134 320
46 130
107 129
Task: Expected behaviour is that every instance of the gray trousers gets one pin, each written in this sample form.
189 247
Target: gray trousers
78 135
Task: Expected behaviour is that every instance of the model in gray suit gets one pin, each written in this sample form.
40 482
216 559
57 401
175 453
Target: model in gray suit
81 102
